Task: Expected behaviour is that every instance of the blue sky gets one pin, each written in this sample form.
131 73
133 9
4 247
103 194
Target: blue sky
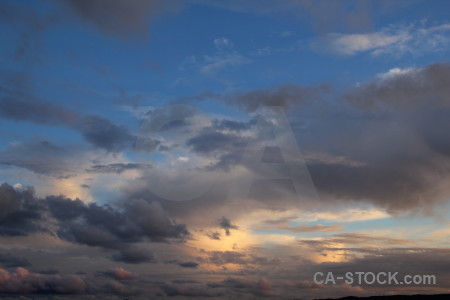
137 136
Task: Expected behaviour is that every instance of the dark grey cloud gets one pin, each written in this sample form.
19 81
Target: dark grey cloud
89 224
394 138
106 227
41 157
191 290
20 106
168 118
188 264
20 213
226 225
173 120
103 133
29 24
224 124
226 257
11 261
148 144
394 185
385 141
286 95
261 287
416 88
225 148
99 131
65 209
214 235
183 264
118 168
134 255
119 274
22 281
117 17
215 141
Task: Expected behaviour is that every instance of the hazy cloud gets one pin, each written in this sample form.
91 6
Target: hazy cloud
117 17
394 41
118 168
97 130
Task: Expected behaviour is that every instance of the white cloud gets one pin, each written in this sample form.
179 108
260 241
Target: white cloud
210 65
286 34
354 43
415 39
223 43
396 72
213 64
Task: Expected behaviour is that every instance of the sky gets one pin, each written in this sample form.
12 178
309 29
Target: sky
206 149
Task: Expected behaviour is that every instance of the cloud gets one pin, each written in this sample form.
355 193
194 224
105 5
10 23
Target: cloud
98 131
118 18
225 56
118 168
223 43
355 43
393 41
88 224
227 257
214 235
226 147
41 157
402 260
226 225
395 129
20 213
188 264
288 95
410 88
134 255
383 141
53 285
354 239
370 176
214 63
102 133
262 287
21 281
29 26
19 106
109 228
120 274
10 261
189 290
215 141
306 228
323 16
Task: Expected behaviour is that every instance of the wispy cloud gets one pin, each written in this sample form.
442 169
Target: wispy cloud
396 40
225 56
